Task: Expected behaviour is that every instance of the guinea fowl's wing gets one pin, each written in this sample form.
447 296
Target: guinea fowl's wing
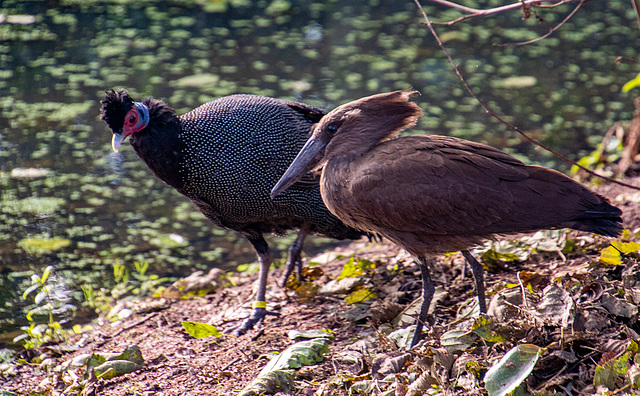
313 114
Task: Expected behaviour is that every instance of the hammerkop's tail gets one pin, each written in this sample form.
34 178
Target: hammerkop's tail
603 219
574 205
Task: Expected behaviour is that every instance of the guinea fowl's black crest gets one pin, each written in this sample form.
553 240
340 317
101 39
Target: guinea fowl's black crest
115 106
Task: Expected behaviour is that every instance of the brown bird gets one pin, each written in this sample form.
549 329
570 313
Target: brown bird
436 194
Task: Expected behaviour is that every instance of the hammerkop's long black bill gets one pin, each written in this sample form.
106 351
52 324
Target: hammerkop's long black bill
435 194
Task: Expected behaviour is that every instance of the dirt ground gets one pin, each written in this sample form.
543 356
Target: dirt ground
175 363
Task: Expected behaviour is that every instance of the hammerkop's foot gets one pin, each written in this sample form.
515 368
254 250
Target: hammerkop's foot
428 289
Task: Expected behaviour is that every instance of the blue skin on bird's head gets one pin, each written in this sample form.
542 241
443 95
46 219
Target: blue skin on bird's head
134 121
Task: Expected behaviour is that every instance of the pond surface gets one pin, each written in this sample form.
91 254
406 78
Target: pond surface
70 202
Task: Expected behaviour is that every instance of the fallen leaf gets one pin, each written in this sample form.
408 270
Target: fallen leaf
200 330
514 367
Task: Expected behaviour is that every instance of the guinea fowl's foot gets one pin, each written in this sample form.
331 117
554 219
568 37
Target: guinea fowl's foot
294 257
254 320
292 263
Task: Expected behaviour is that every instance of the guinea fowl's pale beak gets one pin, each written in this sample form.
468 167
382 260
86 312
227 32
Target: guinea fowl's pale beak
116 141
307 159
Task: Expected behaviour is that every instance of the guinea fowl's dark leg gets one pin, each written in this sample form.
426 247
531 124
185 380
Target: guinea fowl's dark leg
294 257
427 295
259 305
478 275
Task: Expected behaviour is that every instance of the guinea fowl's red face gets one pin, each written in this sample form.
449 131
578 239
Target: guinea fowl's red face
132 122
135 120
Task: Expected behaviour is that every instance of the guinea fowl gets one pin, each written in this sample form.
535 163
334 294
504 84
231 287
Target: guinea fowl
435 194
225 155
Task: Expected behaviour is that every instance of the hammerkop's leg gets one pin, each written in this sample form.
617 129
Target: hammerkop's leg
478 275
259 305
427 295
294 258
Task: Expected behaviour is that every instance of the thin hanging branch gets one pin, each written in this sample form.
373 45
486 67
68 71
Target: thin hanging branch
550 32
495 10
494 115
636 7
474 12
623 59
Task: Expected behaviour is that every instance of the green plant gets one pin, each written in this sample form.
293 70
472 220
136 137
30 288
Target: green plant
100 300
52 301
136 283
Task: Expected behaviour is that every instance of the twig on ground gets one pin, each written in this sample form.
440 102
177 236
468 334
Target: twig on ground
231 363
127 327
525 306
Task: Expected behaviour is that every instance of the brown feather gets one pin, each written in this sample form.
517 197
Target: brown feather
434 194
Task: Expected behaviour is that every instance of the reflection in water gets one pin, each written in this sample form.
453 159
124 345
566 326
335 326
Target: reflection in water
69 201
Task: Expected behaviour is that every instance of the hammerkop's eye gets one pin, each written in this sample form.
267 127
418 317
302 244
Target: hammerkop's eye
333 127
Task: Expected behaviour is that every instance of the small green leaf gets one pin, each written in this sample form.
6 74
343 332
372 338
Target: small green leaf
141 267
276 381
46 273
611 255
94 361
626 247
481 328
613 372
456 341
310 334
303 353
355 267
30 289
40 297
488 335
514 367
200 330
631 84
110 364
633 347
132 353
276 376
116 368
360 295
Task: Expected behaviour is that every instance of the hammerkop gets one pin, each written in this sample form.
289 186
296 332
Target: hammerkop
436 194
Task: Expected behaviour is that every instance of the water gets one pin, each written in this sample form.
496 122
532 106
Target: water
70 202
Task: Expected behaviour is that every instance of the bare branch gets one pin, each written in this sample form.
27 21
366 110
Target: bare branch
550 31
473 12
494 115
624 59
636 8
495 10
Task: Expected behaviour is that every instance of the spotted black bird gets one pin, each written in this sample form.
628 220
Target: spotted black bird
225 156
